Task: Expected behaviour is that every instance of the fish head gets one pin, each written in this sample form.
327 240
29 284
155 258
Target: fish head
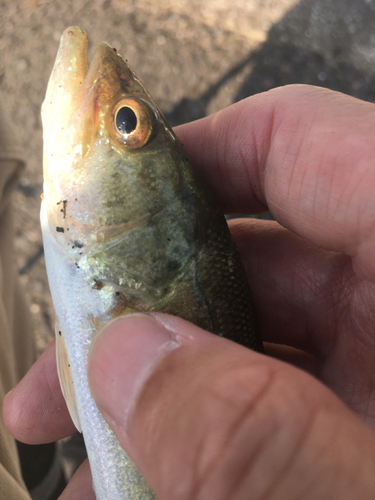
109 156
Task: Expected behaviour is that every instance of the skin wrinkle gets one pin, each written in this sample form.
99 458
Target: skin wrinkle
237 163
364 256
351 349
332 276
269 228
245 471
346 199
361 400
246 172
210 469
331 273
356 302
292 143
298 152
320 203
268 137
255 180
290 290
323 451
348 179
367 230
220 173
364 407
253 150
294 456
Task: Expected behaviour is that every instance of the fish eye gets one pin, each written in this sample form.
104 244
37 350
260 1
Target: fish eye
126 120
133 122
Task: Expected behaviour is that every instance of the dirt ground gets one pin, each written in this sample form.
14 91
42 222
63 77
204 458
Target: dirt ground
195 58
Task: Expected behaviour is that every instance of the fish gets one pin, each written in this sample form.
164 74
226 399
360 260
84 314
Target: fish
128 226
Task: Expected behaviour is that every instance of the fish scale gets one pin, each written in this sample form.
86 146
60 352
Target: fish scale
127 226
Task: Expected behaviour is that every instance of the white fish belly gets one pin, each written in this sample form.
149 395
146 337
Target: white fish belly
115 477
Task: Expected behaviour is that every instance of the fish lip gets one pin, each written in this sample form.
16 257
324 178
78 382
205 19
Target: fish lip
68 74
73 78
72 55
71 64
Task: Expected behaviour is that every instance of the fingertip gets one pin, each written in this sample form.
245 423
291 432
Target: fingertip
80 486
35 411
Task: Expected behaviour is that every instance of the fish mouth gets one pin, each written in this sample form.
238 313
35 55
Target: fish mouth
68 74
78 92
73 78
72 59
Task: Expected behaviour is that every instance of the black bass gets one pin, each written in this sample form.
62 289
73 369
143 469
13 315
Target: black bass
127 226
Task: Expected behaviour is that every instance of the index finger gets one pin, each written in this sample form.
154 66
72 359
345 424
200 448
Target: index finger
305 153
35 410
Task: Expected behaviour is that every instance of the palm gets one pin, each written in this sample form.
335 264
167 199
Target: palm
312 300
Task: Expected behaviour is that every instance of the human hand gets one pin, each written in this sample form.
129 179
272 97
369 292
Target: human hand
205 418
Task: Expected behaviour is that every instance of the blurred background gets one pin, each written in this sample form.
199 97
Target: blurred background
194 57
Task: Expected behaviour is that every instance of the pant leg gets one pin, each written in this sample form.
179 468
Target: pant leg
17 347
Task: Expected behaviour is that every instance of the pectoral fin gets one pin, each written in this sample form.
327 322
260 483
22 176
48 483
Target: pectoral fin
65 377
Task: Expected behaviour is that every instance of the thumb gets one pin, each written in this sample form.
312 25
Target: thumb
204 418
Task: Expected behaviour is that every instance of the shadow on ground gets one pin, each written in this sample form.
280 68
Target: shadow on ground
327 43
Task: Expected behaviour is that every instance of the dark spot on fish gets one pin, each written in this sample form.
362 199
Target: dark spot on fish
60 333
98 285
117 293
114 49
65 202
78 244
168 239
59 229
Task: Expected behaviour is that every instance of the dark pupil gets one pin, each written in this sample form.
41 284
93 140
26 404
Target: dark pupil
126 121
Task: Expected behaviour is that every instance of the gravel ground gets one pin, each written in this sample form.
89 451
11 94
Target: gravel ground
195 58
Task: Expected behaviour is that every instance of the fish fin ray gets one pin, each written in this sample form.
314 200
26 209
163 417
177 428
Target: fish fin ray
65 376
